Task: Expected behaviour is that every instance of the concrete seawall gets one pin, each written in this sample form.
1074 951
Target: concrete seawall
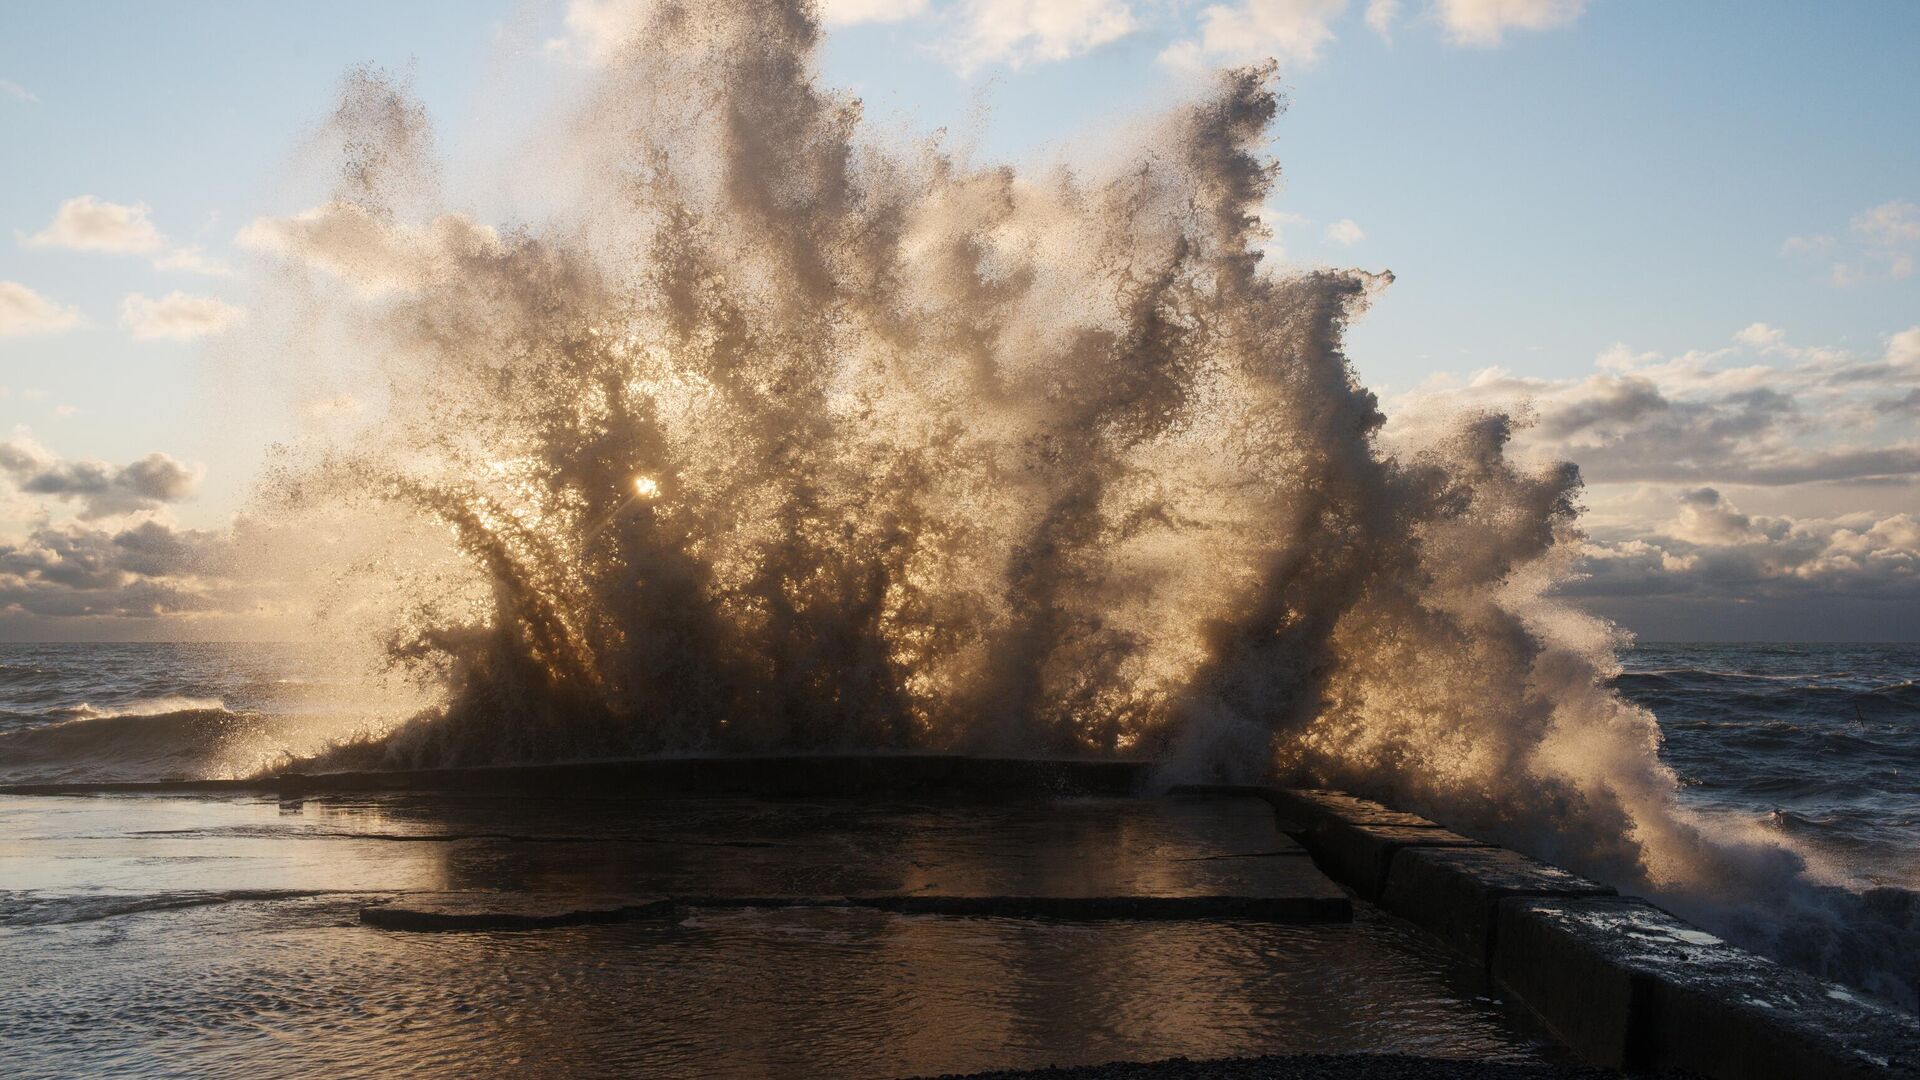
781 775
1623 983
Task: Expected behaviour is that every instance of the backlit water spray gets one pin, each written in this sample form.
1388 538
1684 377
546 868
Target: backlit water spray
776 435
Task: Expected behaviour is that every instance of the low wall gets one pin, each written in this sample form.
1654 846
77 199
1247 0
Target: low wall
768 775
784 775
1622 982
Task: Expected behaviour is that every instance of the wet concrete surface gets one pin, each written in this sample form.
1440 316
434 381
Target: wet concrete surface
226 936
1065 848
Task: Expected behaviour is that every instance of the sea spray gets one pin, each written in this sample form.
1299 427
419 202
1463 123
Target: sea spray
773 434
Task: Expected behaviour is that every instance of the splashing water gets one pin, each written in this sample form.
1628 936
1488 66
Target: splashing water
777 436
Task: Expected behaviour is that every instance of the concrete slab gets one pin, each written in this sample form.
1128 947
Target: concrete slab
914 775
1301 809
1360 854
507 911
1455 892
1095 858
1629 986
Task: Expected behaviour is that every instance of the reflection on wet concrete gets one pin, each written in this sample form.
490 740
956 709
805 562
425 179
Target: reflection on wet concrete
705 848
220 936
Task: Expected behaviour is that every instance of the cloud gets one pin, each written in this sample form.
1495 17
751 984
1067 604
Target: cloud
1884 242
371 253
177 316
194 260
849 12
101 490
1903 349
18 93
1806 245
1345 232
1891 224
24 312
596 29
1484 23
1706 517
1761 336
1276 222
1807 415
85 223
146 569
1291 31
1020 32
1381 17
1709 550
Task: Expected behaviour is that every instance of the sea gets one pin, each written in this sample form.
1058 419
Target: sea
1818 741
109 903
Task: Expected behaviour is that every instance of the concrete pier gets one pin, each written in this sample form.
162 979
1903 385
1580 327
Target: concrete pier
1624 984
1085 858
925 856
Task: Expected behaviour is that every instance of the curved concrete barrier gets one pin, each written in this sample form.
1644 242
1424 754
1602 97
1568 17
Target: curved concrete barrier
1621 982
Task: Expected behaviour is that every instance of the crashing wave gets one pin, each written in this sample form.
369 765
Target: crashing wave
775 435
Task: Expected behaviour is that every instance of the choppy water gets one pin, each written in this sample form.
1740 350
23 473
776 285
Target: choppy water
168 711
1818 742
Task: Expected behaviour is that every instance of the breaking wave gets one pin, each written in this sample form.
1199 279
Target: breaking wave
773 433
150 707
189 743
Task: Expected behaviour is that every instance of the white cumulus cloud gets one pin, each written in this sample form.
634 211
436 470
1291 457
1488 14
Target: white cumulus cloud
1883 243
18 93
596 29
24 312
1345 232
194 260
1291 31
1017 32
84 223
1381 17
177 316
1484 23
1761 336
849 12
1891 224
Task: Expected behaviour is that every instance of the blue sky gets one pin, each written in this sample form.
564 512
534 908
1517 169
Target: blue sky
1702 198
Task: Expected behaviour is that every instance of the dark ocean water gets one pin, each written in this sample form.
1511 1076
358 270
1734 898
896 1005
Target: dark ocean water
1821 742
165 711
